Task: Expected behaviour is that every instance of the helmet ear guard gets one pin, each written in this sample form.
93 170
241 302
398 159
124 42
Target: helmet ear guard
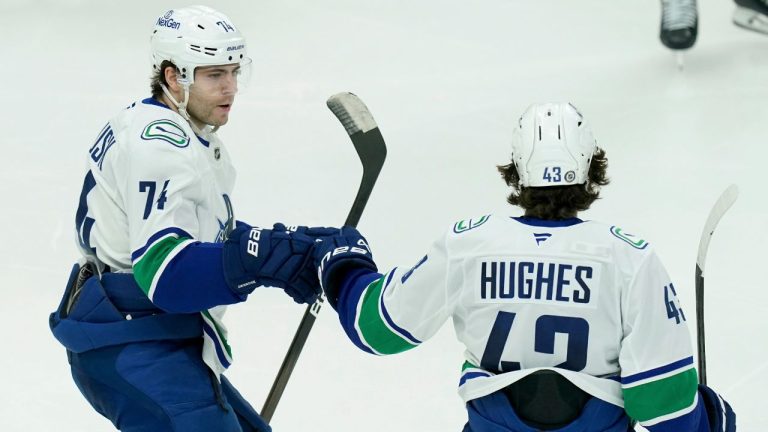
552 146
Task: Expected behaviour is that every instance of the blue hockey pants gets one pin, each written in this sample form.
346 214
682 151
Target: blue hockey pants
144 374
494 413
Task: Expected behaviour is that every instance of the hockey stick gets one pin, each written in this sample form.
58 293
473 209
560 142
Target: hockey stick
370 147
722 205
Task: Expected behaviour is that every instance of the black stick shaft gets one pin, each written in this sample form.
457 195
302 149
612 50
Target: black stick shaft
700 343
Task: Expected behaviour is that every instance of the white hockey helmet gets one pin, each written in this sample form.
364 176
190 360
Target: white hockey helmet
196 36
552 146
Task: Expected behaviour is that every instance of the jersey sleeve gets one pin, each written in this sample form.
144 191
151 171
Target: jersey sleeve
658 378
396 311
161 191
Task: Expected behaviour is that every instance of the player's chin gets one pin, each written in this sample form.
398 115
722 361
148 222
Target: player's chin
219 120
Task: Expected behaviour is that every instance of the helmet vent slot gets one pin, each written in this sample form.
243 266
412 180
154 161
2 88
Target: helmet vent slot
539 133
201 27
205 50
558 131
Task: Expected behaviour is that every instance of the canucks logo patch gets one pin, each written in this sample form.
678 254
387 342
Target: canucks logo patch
166 130
466 225
633 241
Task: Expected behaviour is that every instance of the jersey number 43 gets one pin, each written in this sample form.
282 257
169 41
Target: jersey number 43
547 326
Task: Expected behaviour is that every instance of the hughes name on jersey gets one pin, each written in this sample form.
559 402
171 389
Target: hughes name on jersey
580 297
155 202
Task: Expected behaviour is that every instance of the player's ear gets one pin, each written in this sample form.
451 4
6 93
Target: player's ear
171 77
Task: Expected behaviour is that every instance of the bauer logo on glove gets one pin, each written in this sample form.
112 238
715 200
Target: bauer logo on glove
253 241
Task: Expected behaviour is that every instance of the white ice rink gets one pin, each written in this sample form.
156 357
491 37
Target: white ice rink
445 80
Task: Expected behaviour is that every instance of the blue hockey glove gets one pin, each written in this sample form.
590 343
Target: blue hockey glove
337 255
278 257
719 413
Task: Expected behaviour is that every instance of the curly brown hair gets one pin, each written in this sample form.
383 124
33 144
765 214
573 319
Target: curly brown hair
557 202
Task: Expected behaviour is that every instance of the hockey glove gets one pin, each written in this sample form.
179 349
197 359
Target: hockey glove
278 257
336 256
719 413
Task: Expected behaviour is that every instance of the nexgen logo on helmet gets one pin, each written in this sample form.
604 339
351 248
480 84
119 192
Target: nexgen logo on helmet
552 146
166 21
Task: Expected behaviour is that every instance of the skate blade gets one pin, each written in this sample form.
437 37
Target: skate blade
750 20
680 60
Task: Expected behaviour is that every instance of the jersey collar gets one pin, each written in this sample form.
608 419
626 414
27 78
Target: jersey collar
155 102
549 223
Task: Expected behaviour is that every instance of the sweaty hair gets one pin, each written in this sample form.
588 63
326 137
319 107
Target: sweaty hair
557 202
158 78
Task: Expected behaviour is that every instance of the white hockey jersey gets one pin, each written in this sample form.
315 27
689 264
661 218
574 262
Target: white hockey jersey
153 188
583 298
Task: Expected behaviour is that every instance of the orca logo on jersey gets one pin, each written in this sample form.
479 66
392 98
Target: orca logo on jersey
166 130
633 241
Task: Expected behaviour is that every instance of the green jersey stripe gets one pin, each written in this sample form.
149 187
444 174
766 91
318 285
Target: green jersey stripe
371 324
145 270
659 398
468 365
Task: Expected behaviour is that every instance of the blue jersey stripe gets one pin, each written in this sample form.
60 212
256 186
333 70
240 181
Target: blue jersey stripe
172 230
355 283
470 375
219 351
657 371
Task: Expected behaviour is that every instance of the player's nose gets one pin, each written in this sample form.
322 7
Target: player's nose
229 85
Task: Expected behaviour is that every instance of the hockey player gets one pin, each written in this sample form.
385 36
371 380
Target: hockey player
141 317
569 325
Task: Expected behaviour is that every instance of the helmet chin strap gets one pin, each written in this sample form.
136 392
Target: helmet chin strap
182 108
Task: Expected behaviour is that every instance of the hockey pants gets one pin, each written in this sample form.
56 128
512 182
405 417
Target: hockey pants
144 374
494 413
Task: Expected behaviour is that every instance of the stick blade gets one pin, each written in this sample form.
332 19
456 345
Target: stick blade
351 112
726 200
368 142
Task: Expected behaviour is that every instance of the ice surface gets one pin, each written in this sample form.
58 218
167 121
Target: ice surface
444 80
